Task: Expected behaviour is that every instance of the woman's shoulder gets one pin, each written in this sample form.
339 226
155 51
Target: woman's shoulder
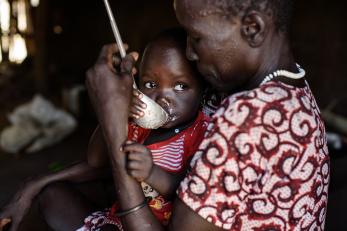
263 95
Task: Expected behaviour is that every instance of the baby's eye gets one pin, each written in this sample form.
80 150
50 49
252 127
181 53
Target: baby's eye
150 84
180 87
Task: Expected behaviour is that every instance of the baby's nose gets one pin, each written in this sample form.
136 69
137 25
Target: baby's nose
164 102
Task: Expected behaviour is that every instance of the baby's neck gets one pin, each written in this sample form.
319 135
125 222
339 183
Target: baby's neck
161 134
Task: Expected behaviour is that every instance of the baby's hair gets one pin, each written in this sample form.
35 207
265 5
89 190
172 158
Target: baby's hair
173 37
281 10
176 35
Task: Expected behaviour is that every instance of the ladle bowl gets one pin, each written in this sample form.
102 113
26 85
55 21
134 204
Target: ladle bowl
154 115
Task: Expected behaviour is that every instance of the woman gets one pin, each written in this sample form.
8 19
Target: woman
264 162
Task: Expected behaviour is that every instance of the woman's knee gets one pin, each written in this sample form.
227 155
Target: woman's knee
51 193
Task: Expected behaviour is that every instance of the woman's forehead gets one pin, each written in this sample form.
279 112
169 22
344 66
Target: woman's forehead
196 8
197 17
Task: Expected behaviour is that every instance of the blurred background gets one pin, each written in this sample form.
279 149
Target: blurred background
47 46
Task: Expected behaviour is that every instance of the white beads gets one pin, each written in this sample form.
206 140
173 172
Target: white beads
285 73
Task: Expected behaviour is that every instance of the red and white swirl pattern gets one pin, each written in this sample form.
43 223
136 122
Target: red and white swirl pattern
263 164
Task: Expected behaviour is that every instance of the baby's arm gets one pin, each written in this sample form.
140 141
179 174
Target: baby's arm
164 182
140 166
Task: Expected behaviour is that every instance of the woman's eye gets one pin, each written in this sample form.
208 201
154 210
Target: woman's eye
180 87
150 85
197 39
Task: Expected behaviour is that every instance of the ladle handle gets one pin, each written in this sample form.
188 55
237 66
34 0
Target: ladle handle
116 33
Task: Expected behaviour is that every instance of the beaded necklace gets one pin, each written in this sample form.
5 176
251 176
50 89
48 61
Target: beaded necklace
285 73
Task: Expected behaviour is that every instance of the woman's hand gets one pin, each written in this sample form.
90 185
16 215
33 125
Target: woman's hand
137 106
110 90
139 160
19 205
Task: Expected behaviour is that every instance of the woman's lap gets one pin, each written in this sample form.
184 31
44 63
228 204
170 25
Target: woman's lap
63 207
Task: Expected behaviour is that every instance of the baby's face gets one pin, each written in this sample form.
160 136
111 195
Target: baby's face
167 78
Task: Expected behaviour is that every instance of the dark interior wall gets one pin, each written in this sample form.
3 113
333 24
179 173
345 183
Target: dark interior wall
319 41
86 28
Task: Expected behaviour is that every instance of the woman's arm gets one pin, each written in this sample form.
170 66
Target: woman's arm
97 150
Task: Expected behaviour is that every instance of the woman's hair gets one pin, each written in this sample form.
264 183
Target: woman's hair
280 10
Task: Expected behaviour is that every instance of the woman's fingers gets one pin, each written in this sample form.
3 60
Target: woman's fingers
109 54
4 222
135 55
108 51
127 64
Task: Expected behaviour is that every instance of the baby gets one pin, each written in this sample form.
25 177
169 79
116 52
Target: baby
159 158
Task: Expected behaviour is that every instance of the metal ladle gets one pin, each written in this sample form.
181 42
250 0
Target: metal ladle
154 115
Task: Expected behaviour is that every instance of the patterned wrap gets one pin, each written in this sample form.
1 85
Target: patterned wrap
263 164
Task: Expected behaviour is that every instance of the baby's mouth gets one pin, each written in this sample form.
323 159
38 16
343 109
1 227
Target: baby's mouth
167 107
171 116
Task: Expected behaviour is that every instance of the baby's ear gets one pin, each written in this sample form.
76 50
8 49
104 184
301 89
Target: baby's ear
254 28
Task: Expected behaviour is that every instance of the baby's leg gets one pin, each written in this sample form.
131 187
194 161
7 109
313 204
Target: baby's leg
63 207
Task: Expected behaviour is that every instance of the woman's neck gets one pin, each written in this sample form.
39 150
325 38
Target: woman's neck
276 55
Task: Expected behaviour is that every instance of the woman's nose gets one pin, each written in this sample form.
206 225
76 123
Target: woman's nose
190 53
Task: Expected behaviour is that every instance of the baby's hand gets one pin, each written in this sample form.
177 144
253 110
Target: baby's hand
139 161
137 106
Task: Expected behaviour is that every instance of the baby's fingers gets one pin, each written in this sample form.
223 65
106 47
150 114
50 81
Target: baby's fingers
137 174
137 96
134 165
135 112
137 106
135 170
